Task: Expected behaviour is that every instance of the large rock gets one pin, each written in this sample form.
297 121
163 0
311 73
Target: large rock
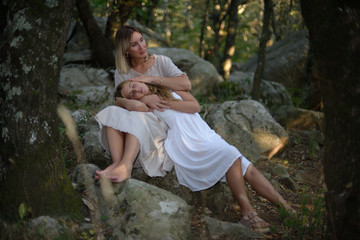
151 213
219 229
215 198
273 94
95 154
203 75
285 60
297 118
248 126
74 77
85 85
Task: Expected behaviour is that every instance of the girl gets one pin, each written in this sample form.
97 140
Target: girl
201 156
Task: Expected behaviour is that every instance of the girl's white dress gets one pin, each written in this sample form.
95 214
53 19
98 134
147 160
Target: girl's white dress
201 156
149 129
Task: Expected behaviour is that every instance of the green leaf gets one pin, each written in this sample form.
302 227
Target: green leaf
22 211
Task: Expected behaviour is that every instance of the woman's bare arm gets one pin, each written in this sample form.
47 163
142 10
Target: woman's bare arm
179 83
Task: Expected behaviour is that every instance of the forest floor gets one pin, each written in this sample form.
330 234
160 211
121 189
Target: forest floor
299 156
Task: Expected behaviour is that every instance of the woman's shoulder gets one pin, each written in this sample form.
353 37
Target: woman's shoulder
162 59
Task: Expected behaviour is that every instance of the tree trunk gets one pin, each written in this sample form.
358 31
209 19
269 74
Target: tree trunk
217 17
101 46
118 17
335 35
265 34
229 49
203 29
32 171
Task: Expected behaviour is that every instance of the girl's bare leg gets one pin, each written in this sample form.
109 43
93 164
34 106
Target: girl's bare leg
116 141
123 168
262 186
236 183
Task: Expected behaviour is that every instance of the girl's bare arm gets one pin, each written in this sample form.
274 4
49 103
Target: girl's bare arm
131 105
188 104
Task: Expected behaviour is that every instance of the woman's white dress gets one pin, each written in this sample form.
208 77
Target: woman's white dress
201 156
149 129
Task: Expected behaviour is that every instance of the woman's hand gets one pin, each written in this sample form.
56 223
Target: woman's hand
143 78
155 102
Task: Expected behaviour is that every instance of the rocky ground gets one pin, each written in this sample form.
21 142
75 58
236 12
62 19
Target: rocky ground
303 162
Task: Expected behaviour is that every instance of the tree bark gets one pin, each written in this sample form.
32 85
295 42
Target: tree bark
229 49
32 171
217 17
335 35
118 17
101 46
265 34
203 29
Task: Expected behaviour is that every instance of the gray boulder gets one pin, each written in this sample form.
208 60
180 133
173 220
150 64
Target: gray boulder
45 227
285 60
203 75
134 209
85 85
273 94
74 77
147 208
93 150
220 229
292 117
248 126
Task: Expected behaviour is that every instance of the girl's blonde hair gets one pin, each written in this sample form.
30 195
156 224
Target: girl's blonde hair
162 91
122 44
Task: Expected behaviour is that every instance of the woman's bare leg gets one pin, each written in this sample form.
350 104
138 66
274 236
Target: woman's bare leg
116 141
122 170
262 186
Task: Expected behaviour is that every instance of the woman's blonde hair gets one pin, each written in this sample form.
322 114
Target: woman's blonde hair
162 91
122 44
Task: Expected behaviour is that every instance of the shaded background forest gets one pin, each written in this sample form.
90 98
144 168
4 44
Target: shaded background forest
222 32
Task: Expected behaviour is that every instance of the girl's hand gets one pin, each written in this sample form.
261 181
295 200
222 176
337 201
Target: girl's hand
155 102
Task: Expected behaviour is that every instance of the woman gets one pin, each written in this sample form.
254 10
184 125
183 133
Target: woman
128 135
201 156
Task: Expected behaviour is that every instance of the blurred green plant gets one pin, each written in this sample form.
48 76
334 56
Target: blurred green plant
299 96
308 222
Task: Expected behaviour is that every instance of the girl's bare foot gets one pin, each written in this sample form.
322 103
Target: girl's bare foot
104 172
252 220
120 173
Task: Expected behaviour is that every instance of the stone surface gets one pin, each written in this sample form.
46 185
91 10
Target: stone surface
248 126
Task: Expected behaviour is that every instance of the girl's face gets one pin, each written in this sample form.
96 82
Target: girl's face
137 47
134 90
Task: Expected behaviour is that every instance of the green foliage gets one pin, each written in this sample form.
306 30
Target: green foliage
299 96
90 235
308 222
24 211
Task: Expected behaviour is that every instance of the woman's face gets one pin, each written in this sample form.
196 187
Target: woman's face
137 47
134 90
